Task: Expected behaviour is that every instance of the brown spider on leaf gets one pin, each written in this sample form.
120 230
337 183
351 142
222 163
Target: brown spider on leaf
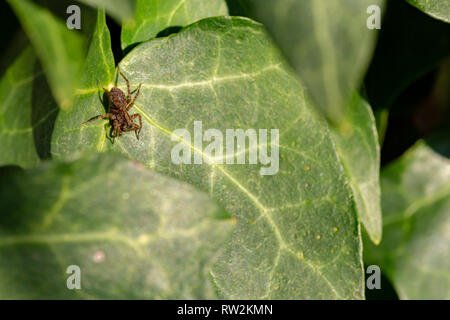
118 111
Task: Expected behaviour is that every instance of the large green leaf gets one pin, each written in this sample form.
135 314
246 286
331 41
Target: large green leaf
122 10
297 234
416 222
357 144
133 233
153 16
60 50
436 8
327 43
27 113
410 45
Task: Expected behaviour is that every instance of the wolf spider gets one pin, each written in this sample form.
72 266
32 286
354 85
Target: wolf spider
118 111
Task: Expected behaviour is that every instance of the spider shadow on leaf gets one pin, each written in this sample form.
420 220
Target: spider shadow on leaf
104 99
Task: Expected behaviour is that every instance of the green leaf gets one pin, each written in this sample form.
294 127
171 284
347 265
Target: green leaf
99 66
435 8
121 10
60 50
16 129
27 113
297 234
410 45
133 233
153 16
416 204
326 42
357 144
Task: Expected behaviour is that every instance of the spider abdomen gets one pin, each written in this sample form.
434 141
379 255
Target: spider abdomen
118 97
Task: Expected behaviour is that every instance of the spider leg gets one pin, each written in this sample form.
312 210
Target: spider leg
134 116
115 131
131 104
127 118
108 115
128 83
134 126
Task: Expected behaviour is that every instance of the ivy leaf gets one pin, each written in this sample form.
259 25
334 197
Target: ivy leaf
121 10
357 144
60 50
16 132
326 42
416 202
27 113
435 8
410 45
99 67
153 16
297 234
133 233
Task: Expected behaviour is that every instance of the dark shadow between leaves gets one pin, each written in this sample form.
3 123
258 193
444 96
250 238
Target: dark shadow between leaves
440 142
162 34
238 8
128 49
13 38
115 32
410 45
44 111
168 31
387 291
7 171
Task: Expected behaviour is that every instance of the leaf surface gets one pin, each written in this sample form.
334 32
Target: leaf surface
297 234
357 144
153 16
60 50
416 204
327 43
133 233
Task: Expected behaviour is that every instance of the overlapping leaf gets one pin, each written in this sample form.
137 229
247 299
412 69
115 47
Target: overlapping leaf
60 50
297 234
327 42
357 144
153 16
416 204
133 233
27 113
99 66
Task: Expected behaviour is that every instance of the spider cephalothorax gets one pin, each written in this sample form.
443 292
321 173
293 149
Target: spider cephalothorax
118 111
